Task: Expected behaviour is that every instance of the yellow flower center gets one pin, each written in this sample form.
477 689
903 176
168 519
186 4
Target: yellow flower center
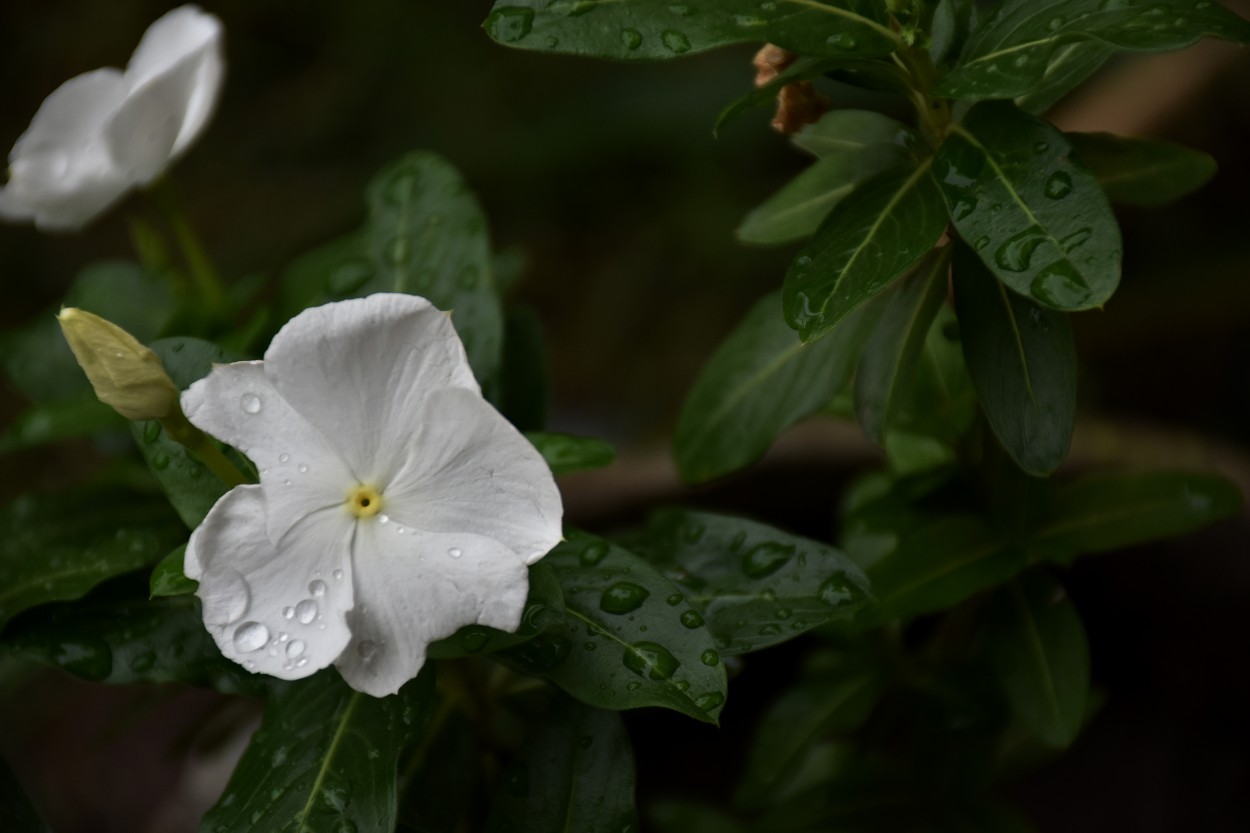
364 501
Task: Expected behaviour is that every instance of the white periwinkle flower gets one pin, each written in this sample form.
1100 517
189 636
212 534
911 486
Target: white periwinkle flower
107 131
395 504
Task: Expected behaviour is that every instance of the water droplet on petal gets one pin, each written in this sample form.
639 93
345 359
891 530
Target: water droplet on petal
294 649
454 552
366 649
250 636
384 519
250 403
317 588
306 611
303 469
338 575
288 612
284 457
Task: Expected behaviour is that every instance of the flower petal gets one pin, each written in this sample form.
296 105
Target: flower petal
358 370
300 470
414 588
61 173
141 134
468 469
274 610
185 36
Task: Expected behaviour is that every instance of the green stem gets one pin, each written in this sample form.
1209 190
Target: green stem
203 274
199 444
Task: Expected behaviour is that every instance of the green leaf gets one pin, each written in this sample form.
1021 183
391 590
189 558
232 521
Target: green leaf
1036 218
58 547
567 454
1068 67
574 773
1023 364
49 422
799 718
761 381
852 132
544 603
952 22
1041 656
324 759
427 236
892 354
626 638
16 813
658 29
870 238
134 641
1015 48
191 487
1142 171
167 577
867 148
1110 512
754 585
942 404
930 565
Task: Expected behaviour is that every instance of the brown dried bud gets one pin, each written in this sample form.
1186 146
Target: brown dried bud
798 103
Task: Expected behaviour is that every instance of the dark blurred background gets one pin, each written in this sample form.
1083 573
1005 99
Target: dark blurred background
607 178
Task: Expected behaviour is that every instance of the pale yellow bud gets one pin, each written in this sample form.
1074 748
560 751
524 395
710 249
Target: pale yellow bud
126 375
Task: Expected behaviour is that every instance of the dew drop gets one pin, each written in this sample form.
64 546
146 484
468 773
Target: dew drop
250 403
151 431
681 9
838 591
691 619
250 636
633 685
709 701
306 611
160 461
1041 147
317 588
338 575
302 662
651 660
384 519
632 39
623 597
283 637
674 599
1059 185
710 657
1016 253
454 552
510 23
1059 285
675 42
765 559
366 649
303 469
842 40
284 457
594 553
294 649
288 613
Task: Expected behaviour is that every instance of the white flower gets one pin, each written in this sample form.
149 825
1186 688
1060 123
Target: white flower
395 504
106 131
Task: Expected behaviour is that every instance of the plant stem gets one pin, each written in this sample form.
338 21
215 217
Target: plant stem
195 440
203 274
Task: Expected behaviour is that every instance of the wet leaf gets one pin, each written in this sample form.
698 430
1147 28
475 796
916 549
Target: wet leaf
625 638
324 759
575 773
544 602
870 238
755 586
1016 47
168 578
1023 364
761 381
659 30
1038 220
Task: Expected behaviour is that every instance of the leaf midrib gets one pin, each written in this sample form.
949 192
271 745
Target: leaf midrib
1038 650
325 762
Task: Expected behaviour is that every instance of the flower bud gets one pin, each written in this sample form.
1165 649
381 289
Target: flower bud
126 376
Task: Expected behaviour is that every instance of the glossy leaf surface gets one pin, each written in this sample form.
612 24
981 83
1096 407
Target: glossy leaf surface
168 578
755 585
761 381
1023 364
191 487
870 238
1109 512
567 454
56 548
574 773
1015 47
625 638
659 30
324 759
892 355
1038 220
1142 171
1041 655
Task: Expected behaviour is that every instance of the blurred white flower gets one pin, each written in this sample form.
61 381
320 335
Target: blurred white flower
107 131
395 506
